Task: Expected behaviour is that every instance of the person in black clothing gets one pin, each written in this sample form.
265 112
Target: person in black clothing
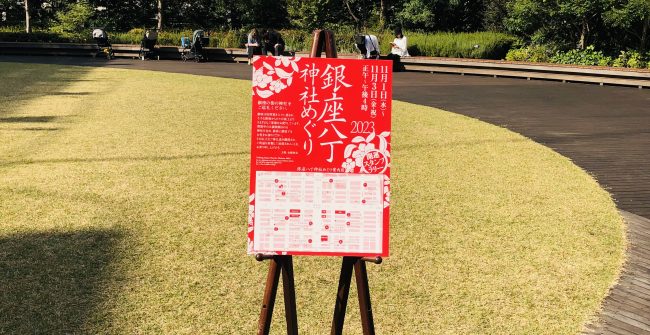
272 42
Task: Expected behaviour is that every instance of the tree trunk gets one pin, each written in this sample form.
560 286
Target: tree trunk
382 13
644 33
160 17
356 19
28 26
583 35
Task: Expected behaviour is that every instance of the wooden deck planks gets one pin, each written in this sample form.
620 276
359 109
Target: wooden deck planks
627 308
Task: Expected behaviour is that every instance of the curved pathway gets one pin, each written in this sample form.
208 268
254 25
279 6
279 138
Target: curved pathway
605 130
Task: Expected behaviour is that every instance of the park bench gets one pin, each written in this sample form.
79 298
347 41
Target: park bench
49 49
494 68
120 50
529 71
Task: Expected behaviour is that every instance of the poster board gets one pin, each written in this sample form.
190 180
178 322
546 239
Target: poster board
320 157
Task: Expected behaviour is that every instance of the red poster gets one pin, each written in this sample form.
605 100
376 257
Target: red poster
320 157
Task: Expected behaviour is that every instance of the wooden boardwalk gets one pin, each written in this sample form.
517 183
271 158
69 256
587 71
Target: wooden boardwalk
605 130
626 311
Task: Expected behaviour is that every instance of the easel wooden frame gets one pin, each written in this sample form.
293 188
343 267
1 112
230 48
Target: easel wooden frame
323 41
284 265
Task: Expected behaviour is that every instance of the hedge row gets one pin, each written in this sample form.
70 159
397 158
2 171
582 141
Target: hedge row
588 56
486 45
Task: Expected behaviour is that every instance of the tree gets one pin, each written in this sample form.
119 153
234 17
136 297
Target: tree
565 23
383 13
74 19
160 15
494 15
28 26
417 14
312 14
633 17
444 15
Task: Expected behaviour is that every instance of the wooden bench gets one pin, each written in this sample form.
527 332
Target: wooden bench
528 71
49 49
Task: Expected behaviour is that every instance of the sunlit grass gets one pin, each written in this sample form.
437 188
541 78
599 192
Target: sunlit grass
123 198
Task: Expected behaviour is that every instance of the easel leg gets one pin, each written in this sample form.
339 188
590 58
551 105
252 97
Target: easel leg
272 280
342 294
361 276
289 295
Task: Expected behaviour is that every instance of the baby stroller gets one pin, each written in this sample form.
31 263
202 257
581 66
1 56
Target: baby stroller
195 48
368 46
101 38
148 44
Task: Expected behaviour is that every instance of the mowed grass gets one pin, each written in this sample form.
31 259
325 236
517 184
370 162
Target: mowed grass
123 203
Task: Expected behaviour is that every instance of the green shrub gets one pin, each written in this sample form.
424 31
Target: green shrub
484 45
632 59
517 55
636 60
537 54
487 45
74 20
17 34
588 56
621 61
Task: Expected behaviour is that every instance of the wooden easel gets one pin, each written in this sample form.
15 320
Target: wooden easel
279 264
284 265
363 290
323 41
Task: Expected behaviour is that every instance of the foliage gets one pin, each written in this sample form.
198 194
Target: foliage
463 45
533 53
632 59
416 14
75 19
42 12
484 45
608 25
631 20
565 23
588 56
494 15
442 15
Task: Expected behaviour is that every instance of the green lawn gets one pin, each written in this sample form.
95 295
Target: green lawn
123 203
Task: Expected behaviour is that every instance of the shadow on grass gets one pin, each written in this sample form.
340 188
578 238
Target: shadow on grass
39 129
28 119
120 159
31 81
52 283
70 93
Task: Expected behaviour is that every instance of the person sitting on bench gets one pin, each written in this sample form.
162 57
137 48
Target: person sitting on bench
253 45
398 50
399 46
272 42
